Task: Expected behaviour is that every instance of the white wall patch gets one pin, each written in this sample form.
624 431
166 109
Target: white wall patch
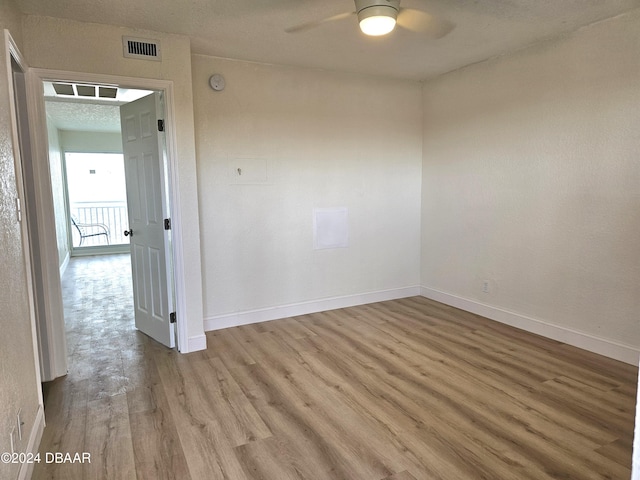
330 228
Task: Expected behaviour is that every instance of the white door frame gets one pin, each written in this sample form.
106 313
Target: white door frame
52 359
19 121
41 148
13 54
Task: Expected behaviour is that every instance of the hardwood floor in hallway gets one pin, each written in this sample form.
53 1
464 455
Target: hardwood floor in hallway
399 390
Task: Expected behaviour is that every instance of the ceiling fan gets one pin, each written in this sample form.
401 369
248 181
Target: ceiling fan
379 17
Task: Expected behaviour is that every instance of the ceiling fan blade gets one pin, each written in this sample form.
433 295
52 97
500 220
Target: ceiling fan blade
316 23
423 22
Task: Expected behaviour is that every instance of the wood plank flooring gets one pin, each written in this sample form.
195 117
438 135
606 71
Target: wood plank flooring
402 390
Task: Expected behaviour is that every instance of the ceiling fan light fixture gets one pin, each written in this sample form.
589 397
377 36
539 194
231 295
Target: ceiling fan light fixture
377 20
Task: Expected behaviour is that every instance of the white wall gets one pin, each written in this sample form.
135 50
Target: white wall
327 140
97 49
91 142
530 182
19 387
57 188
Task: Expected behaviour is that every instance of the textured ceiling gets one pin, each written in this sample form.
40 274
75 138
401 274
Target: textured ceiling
83 117
254 29
87 114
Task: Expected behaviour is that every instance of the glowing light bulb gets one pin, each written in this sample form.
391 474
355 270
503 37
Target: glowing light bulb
377 25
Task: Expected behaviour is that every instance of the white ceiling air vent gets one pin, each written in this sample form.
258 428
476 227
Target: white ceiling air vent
84 90
64 89
107 92
141 48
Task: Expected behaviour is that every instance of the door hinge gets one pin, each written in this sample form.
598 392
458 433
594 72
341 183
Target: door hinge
167 224
172 317
161 125
19 209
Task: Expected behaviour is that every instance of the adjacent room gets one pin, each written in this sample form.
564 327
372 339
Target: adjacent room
305 249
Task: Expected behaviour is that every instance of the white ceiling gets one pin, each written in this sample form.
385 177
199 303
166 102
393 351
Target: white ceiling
254 29
83 117
87 114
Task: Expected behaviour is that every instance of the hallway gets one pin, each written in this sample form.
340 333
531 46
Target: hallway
98 303
87 410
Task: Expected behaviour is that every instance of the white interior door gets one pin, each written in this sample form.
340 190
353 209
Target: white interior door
144 171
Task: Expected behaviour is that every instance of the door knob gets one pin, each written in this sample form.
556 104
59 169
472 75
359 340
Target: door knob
128 233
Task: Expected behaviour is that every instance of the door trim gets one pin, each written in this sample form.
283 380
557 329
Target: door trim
12 53
36 96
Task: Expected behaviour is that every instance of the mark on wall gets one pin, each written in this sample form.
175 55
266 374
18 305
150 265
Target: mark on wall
248 171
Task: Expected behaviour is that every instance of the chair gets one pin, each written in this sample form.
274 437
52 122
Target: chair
87 230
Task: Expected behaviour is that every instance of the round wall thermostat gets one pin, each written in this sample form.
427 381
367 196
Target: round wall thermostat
217 82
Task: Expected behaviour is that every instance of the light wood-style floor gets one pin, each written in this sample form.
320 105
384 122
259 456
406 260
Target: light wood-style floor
399 390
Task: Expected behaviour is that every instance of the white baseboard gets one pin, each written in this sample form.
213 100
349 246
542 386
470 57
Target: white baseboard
602 346
195 344
65 264
26 469
218 322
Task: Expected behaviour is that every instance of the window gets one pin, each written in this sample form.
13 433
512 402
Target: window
97 198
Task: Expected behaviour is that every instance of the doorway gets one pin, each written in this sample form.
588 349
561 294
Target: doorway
87 171
86 166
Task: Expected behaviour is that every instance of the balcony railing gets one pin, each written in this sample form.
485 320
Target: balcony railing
112 214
